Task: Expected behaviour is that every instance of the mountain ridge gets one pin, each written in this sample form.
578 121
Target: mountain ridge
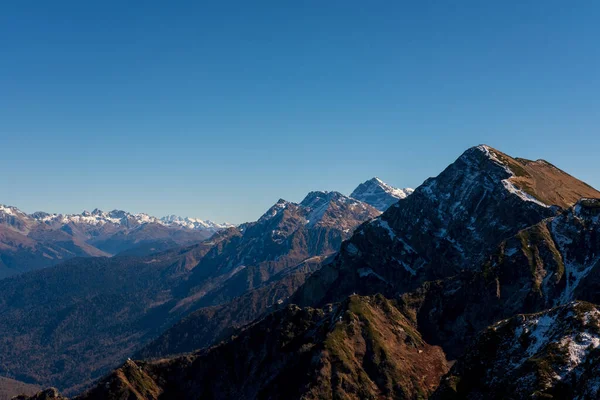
433 277
39 240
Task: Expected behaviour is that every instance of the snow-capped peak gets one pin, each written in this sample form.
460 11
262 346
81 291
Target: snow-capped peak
379 194
193 223
119 217
10 210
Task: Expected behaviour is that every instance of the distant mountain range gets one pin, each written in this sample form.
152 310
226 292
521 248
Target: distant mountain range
39 240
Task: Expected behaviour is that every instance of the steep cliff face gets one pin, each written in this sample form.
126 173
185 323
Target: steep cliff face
553 354
448 224
361 348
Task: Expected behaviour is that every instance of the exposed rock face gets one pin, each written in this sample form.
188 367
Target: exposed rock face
379 194
448 224
548 264
552 354
361 348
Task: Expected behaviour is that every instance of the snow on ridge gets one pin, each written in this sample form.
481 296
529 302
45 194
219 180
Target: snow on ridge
508 185
116 217
274 210
553 327
379 194
317 203
10 210
376 185
193 223
578 346
384 224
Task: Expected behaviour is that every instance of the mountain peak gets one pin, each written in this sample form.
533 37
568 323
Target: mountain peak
379 194
10 210
274 210
315 198
536 181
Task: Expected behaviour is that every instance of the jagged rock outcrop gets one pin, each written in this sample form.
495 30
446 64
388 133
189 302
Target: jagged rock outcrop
553 354
548 264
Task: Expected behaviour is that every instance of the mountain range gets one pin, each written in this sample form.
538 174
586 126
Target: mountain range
134 298
39 240
482 283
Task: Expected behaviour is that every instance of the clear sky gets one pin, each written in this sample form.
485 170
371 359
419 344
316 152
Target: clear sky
218 109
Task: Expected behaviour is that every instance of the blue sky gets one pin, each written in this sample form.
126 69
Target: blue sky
218 110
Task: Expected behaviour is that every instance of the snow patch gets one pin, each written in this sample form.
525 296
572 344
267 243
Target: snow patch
508 185
365 272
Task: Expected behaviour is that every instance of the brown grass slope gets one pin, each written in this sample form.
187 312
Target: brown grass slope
546 182
361 348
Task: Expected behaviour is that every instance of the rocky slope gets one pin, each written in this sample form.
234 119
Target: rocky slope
449 224
553 354
379 194
548 264
40 240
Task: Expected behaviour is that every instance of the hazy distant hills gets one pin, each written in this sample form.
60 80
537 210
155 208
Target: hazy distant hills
39 240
